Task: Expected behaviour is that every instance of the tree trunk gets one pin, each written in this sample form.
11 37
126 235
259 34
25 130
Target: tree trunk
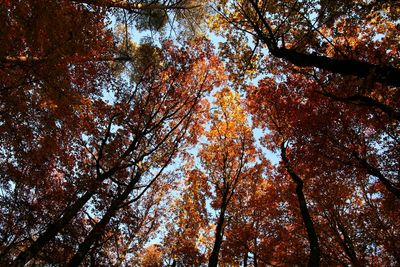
384 74
213 260
371 170
94 235
98 230
312 235
255 260
54 228
347 245
314 259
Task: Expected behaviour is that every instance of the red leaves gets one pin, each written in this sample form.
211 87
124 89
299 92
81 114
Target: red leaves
87 153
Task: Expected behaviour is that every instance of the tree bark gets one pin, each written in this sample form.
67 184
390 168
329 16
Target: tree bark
245 259
383 74
98 230
255 260
314 258
54 228
213 260
348 246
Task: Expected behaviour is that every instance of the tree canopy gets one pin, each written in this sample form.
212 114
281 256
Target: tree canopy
199 133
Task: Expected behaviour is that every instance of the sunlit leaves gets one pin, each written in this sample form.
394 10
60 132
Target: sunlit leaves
110 144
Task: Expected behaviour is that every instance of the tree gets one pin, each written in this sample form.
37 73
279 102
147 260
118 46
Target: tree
156 15
248 234
152 257
143 130
351 55
188 233
110 153
228 159
327 138
302 33
39 97
314 259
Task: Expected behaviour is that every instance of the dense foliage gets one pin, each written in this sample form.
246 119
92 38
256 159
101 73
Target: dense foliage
128 138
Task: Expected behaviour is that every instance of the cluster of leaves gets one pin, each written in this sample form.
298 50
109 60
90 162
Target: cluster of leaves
112 154
84 150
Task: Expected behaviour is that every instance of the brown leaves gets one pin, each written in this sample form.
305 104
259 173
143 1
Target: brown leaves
93 125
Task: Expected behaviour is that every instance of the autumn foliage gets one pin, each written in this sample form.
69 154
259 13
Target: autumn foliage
276 143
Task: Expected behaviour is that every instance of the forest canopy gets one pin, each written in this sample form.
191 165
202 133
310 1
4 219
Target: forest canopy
199 133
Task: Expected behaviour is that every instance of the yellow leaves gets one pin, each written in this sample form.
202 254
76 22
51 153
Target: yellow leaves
202 239
214 23
229 120
85 106
217 23
230 106
229 141
152 256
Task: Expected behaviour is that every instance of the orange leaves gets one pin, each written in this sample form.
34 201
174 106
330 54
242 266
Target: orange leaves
229 136
152 257
229 119
80 142
49 104
223 175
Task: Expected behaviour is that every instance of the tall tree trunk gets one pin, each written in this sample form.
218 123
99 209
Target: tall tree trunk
382 74
98 230
347 245
94 235
255 260
246 255
55 227
314 258
213 260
